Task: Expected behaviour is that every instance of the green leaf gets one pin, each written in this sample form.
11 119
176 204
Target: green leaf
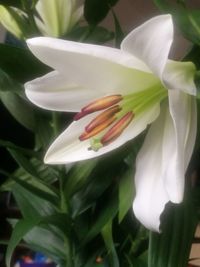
187 19
61 220
8 84
46 241
40 238
108 239
78 176
23 162
197 83
13 97
31 205
140 237
96 10
20 64
21 229
20 109
41 190
132 262
198 129
47 174
194 56
172 246
43 130
126 193
106 170
24 151
119 35
16 3
88 34
92 263
91 191
106 214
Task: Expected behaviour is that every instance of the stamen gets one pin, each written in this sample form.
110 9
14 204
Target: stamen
99 104
101 118
97 129
117 128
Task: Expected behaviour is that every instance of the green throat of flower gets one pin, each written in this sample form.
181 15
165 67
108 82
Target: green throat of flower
116 112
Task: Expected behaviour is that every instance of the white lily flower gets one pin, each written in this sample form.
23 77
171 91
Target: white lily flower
124 88
57 17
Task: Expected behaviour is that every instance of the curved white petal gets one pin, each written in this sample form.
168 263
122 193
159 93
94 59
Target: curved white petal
151 42
180 76
72 90
182 134
67 147
79 70
60 54
151 195
163 159
54 91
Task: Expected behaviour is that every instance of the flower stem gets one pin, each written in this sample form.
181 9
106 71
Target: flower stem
64 207
55 123
171 248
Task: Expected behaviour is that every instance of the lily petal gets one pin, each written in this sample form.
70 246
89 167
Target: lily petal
54 91
180 76
169 143
67 147
182 134
59 54
151 195
151 42
80 66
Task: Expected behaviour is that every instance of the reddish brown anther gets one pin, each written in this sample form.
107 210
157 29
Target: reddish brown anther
97 129
99 104
101 118
117 128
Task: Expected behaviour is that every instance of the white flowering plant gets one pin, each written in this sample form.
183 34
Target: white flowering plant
109 176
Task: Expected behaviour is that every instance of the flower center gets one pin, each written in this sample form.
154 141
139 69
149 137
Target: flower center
116 113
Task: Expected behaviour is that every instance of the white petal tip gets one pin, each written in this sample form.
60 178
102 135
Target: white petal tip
52 157
149 218
39 41
51 160
176 198
32 41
